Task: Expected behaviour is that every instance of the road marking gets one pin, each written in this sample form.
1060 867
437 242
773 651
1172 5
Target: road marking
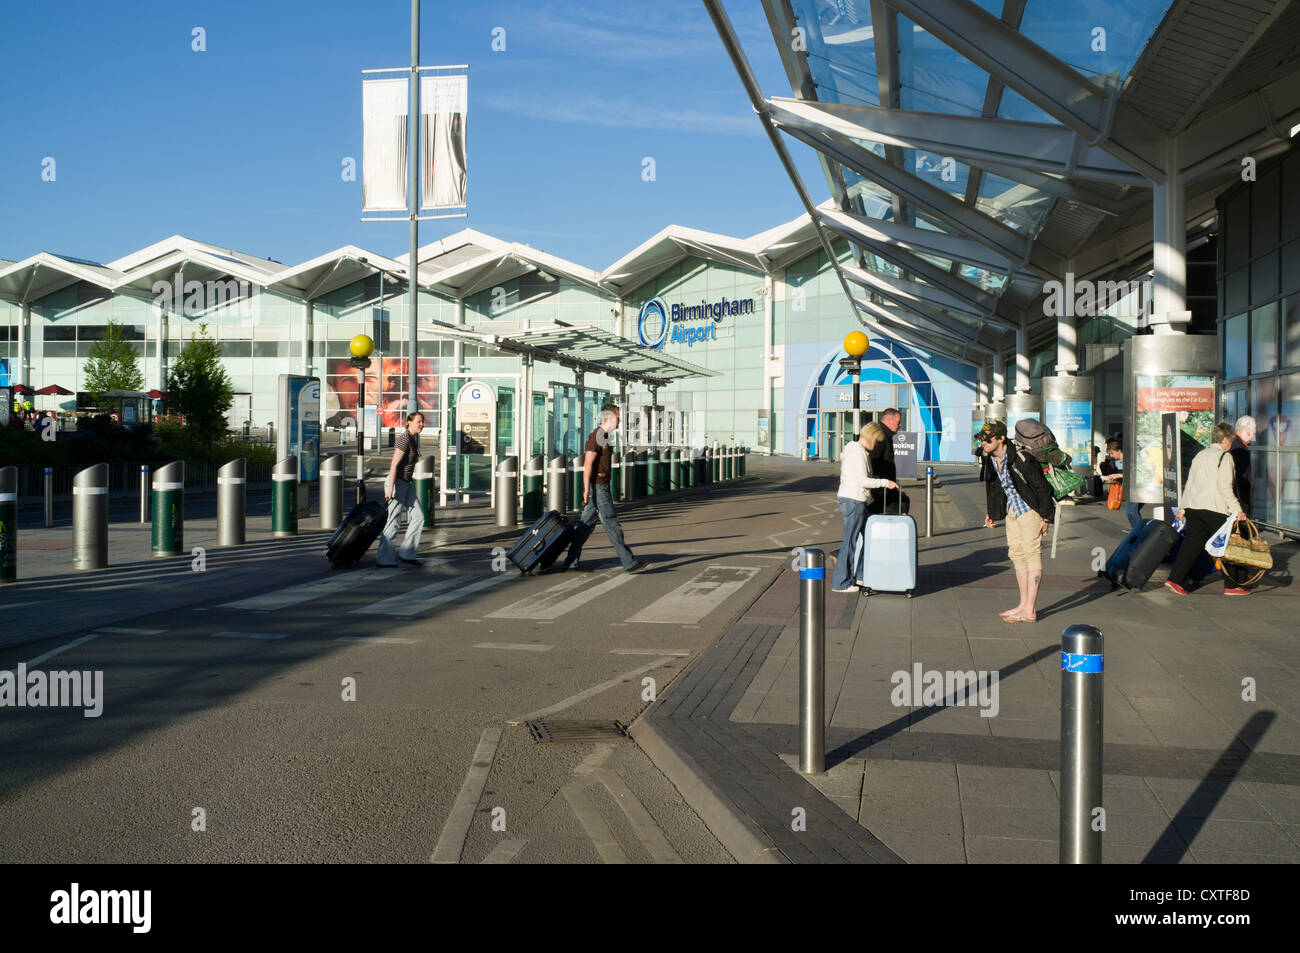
643 825
62 648
589 692
421 600
294 595
692 601
560 599
104 630
379 639
505 852
592 772
602 838
516 646
680 653
265 636
452 840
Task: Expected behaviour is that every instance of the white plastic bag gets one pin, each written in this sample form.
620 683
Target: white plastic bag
1218 544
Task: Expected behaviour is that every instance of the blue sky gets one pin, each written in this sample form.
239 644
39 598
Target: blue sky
242 145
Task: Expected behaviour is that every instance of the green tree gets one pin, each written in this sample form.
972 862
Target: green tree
199 388
112 364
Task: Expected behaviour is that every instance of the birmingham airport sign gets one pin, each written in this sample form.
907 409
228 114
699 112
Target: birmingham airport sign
658 324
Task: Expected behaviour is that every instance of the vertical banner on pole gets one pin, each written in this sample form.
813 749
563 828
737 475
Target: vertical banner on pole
443 104
383 157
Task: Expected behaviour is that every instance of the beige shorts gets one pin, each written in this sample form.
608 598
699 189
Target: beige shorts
1024 545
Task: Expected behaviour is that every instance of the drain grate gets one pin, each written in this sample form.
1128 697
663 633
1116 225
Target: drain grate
576 732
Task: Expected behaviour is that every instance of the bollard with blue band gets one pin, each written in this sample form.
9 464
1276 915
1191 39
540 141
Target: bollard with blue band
812 662
8 524
1081 745
929 501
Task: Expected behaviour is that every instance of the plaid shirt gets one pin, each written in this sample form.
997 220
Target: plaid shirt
1016 506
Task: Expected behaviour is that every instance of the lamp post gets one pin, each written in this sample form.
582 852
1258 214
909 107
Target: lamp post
361 347
855 346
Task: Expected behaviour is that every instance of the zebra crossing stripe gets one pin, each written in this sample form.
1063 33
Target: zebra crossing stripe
692 601
421 600
560 599
319 588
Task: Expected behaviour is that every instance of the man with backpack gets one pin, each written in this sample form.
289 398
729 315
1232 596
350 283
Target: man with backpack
1020 494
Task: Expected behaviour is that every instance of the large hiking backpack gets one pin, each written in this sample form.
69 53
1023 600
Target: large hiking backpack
1037 439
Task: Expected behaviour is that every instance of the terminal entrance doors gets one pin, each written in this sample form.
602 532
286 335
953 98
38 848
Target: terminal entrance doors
573 416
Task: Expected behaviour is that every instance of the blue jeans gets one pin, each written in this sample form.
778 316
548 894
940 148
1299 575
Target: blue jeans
855 520
600 505
1134 513
406 502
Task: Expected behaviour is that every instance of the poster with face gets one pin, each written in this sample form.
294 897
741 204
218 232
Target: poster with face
386 384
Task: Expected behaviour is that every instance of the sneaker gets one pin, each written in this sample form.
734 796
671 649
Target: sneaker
637 566
1170 584
1235 591
850 589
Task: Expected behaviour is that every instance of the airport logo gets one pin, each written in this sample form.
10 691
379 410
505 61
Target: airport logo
652 324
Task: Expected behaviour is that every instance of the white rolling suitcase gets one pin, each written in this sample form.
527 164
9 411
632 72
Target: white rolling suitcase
886 558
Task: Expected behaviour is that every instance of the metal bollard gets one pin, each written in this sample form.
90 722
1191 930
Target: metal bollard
507 491
729 460
687 466
423 481
653 487
90 517
642 465
332 474
929 501
1081 711
8 524
812 662
716 475
284 497
49 497
144 493
615 476
557 484
629 475
532 498
232 502
169 509
575 484
674 470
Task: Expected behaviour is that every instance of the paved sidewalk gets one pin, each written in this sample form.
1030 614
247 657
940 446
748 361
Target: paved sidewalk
1194 773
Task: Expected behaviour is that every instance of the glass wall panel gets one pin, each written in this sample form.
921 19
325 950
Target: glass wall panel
1263 487
1263 339
1291 329
1286 474
1234 347
1263 404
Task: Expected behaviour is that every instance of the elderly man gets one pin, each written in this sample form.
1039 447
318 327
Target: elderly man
1246 430
882 461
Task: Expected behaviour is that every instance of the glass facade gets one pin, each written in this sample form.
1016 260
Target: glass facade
1259 311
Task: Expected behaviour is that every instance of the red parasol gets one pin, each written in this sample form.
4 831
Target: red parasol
54 389
23 389
157 394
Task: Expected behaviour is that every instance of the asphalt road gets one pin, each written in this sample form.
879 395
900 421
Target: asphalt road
240 714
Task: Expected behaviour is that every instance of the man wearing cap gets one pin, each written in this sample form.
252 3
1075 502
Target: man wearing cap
1020 494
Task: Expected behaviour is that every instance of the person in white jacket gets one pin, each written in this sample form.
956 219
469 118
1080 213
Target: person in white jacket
855 480
1208 500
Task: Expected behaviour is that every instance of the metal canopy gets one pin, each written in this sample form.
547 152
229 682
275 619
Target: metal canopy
580 347
331 271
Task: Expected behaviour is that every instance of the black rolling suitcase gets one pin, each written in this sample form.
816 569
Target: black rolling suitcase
544 542
358 530
1141 552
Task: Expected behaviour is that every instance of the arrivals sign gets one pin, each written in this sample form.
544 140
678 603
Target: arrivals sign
690 324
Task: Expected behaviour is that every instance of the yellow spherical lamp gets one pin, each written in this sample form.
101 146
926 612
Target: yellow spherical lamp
856 344
361 346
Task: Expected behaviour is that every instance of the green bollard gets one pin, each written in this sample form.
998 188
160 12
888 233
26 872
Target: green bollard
716 459
423 481
532 496
169 509
616 476
284 498
729 459
8 524
652 485
576 482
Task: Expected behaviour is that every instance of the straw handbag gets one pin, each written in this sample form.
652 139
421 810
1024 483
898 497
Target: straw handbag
1247 548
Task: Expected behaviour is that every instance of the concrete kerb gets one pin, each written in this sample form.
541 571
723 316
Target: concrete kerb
736 833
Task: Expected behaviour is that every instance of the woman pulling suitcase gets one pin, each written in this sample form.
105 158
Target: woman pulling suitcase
855 480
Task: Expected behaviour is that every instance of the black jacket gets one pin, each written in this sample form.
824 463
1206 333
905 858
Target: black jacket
1241 459
1027 477
882 457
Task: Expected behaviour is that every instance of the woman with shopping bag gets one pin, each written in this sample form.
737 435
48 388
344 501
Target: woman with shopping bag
1209 504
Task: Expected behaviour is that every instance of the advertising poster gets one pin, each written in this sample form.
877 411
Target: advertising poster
386 387
1071 421
6 405
764 434
298 433
1171 468
1013 419
1191 397
475 415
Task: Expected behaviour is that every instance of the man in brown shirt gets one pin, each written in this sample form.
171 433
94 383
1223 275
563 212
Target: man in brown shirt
597 501
399 491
